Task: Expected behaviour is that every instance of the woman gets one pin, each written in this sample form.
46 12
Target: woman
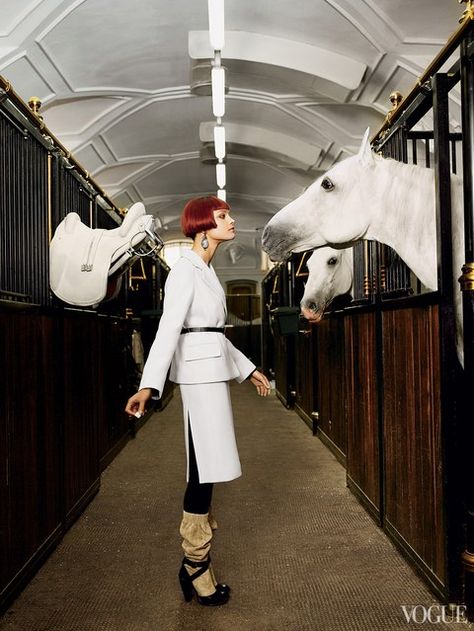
191 338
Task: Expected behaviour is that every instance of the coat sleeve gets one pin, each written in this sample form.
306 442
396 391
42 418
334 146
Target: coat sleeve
244 365
179 292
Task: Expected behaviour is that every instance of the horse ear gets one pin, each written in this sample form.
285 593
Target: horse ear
365 152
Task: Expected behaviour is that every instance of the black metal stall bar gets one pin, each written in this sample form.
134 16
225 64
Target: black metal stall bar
451 45
451 420
31 114
40 182
467 287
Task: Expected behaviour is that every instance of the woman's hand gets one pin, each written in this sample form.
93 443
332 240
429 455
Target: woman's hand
136 404
261 383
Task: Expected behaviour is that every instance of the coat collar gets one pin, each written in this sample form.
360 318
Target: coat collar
195 259
209 275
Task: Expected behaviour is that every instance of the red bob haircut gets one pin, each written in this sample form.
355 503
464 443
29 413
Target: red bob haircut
198 215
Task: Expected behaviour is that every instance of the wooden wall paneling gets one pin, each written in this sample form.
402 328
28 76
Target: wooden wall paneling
267 358
32 379
5 420
104 394
363 435
247 338
50 443
332 425
82 364
413 475
305 374
273 286
118 379
285 368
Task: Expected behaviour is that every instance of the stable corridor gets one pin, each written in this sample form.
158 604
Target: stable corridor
298 550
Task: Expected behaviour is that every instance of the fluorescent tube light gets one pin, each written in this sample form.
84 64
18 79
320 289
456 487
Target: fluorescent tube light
220 175
219 141
218 91
221 194
216 23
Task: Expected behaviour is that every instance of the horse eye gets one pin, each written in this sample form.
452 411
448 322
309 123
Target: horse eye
332 260
327 184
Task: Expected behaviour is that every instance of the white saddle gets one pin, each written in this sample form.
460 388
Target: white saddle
85 263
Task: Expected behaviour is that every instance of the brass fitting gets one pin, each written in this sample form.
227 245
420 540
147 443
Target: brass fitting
468 13
35 104
467 559
467 278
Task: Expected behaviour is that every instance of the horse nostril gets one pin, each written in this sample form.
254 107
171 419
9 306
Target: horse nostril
312 306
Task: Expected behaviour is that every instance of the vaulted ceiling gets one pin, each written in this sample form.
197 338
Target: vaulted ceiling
305 80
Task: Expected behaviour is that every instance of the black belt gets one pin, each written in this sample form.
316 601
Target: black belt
202 329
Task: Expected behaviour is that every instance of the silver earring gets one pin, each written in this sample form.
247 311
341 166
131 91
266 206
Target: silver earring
204 242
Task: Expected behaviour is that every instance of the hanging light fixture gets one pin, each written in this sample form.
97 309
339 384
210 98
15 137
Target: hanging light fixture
219 141
218 91
216 23
216 37
220 174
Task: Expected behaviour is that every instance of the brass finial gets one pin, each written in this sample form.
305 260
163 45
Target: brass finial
468 11
34 104
396 98
467 278
123 211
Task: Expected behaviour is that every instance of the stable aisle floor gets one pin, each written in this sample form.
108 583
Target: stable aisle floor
298 550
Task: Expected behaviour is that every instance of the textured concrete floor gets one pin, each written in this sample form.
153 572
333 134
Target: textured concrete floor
297 548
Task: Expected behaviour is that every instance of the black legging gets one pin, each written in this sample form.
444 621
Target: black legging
197 497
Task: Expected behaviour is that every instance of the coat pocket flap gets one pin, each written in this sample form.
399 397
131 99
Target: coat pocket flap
202 351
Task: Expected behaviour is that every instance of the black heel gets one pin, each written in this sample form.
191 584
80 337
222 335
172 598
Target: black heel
217 598
186 583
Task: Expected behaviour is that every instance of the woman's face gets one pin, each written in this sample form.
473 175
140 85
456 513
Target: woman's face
225 230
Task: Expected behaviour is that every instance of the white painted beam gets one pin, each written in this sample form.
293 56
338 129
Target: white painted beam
285 53
297 150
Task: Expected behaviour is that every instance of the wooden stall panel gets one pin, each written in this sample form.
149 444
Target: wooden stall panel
331 375
412 447
118 380
30 427
267 361
363 452
82 361
4 458
305 374
247 339
284 349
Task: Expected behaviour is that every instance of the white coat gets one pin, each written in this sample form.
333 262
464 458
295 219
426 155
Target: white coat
194 297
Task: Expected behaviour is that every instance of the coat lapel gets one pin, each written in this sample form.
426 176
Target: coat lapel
208 274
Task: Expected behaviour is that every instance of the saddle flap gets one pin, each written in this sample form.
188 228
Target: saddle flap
82 258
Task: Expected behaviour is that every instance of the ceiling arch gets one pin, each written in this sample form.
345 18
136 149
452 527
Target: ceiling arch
305 80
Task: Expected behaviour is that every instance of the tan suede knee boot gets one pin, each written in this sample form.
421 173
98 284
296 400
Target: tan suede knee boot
197 535
212 520
214 526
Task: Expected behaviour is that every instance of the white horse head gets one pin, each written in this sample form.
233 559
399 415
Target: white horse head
370 197
335 209
330 275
